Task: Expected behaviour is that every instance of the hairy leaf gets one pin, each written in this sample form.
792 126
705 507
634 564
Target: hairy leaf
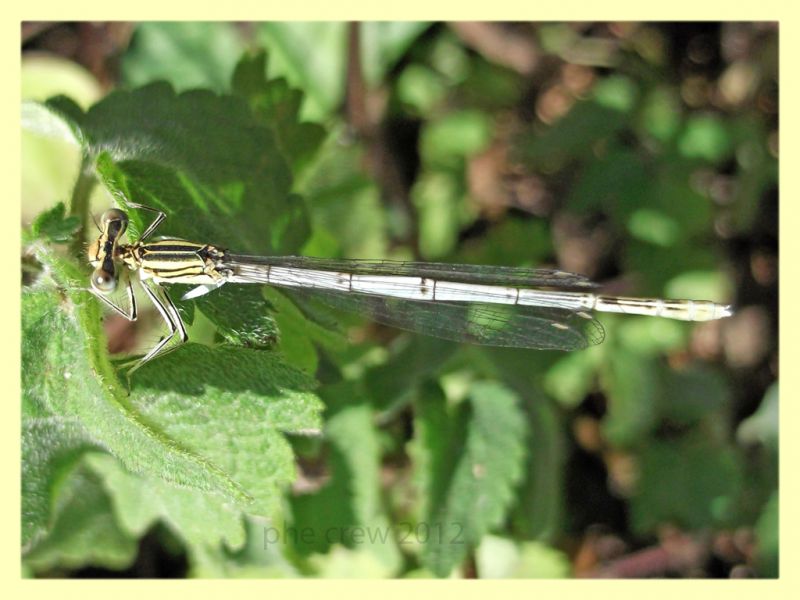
85 531
468 465
210 165
67 374
51 448
54 225
233 405
200 520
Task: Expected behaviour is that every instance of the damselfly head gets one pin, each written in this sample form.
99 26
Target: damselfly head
102 252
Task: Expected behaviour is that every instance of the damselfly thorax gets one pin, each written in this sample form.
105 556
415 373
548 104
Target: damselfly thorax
490 305
163 261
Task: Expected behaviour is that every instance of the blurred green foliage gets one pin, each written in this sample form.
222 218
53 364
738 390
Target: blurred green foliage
280 448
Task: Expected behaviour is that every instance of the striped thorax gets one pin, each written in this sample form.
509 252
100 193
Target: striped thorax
174 261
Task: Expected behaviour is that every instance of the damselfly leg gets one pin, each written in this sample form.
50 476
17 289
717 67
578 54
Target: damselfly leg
160 216
172 318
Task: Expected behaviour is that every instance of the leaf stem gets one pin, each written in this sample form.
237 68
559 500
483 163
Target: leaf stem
79 203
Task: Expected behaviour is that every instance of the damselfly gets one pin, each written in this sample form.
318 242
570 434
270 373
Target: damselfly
495 306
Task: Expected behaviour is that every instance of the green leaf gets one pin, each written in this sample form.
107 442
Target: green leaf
241 315
705 137
633 385
439 198
422 88
498 557
261 556
612 184
278 107
468 465
67 373
179 154
58 118
448 56
211 167
349 511
45 75
232 405
346 210
617 92
231 178
539 509
194 155
661 115
311 55
187 54
410 362
54 226
448 141
202 521
768 533
691 482
363 461
654 227
51 448
763 425
692 394
384 43
576 133
237 421
571 378
706 285
85 531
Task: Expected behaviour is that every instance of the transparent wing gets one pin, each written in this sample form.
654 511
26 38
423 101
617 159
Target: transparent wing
121 300
485 274
475 323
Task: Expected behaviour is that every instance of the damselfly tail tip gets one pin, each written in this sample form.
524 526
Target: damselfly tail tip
724 310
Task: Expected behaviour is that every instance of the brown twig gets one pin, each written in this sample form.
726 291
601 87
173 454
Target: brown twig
364 111
30 29
500 44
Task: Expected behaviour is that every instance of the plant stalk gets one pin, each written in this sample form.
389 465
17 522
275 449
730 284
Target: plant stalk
79 203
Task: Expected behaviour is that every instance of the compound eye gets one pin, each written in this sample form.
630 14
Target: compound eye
103 281
115 221
113 214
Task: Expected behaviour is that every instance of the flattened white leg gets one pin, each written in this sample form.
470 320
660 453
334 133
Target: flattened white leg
171 317
202 290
